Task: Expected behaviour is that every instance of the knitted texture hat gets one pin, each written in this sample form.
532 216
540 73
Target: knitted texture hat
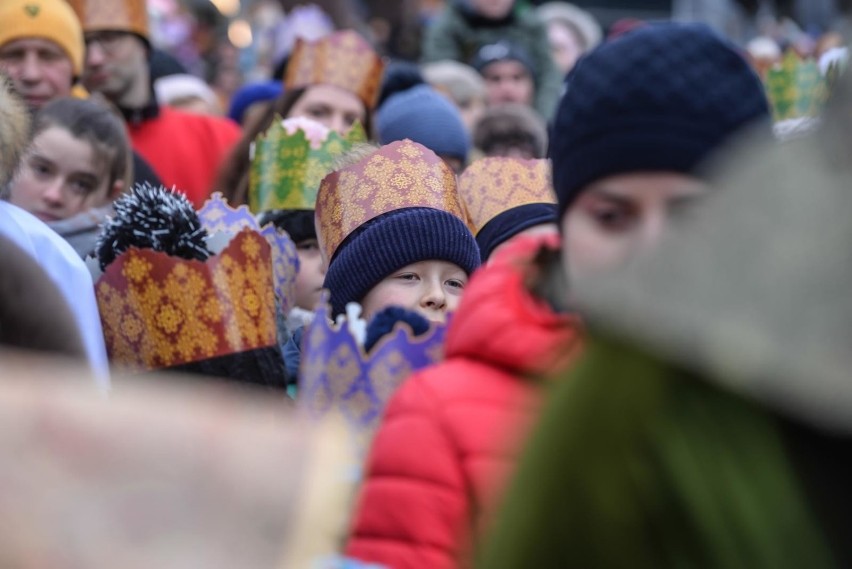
392 241
427 117
502 51
52 20
659 98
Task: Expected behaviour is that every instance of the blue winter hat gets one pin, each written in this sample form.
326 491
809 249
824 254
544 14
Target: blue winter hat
425 116
512 222
252 93
392 241
662 97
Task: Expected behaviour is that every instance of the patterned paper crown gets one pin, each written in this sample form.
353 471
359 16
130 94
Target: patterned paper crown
218 217
118 15
343 59
338 379
796 88
160 311
490 186
290 160
399 175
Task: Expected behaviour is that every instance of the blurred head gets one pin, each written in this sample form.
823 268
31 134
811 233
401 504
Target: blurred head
14 131
79 159
638 119
571 31
508 73
41 48
117 67
511 130
462 84
187 92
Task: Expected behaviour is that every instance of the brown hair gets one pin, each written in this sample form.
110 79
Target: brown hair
96 124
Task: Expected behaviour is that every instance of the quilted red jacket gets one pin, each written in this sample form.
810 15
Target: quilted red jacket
451 433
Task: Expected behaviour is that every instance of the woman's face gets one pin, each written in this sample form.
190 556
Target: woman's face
311 274
61 176
565 48
336 108
620 217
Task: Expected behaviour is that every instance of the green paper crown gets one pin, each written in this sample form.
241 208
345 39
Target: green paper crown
286 171
796 88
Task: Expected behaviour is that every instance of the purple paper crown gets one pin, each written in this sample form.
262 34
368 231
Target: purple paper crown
338 378
218 217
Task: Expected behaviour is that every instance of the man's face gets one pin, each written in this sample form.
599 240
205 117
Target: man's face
115 63
508 81
39 68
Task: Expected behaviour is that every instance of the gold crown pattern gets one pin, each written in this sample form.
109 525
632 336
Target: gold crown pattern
160 311
217 216
490 186
343 59
120 15
337 379
399 175
796 88
290 160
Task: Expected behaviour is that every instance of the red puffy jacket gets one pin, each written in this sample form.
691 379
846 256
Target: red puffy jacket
451 433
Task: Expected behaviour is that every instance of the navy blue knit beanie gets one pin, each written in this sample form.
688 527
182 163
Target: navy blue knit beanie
391 241
512 222
426 117
660 98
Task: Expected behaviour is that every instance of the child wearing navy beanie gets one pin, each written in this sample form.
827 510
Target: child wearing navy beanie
394 232
639 116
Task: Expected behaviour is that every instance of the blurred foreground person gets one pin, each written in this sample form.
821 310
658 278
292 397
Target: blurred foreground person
629 135
709 422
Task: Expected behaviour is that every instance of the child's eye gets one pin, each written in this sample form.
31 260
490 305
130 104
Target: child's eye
455 283
408 276
309 245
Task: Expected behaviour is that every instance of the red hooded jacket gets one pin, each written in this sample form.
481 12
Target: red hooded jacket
451 433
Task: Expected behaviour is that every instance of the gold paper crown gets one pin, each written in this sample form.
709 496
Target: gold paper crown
343 59
338 379
399 175
290 160
160 311
490 186
796 88
119 15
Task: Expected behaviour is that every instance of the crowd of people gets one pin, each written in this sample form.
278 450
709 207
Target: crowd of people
533 273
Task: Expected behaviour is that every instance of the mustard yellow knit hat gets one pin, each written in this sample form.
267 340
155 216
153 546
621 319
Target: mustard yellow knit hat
52 20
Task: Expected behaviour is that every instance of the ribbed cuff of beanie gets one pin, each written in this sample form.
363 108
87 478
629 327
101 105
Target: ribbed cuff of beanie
511 222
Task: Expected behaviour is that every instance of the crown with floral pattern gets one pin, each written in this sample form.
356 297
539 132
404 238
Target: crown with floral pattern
400 175
490 186
218 217
795 88
161 311
113 15
337 378
290 160
343 59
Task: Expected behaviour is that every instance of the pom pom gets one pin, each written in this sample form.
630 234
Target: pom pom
151 217
384 321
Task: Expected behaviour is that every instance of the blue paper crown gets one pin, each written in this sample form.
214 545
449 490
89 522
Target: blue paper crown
337 378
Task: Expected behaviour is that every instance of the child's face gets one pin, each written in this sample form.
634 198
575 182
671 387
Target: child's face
311 274
331 106
493 9
621 217
61 176
432 288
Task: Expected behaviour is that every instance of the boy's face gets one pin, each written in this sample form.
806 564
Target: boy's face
618 218
508 81
431 288
492 9
311 274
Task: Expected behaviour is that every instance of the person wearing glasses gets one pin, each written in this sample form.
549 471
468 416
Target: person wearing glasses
185 149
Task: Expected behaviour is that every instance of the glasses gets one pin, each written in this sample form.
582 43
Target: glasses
108 40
